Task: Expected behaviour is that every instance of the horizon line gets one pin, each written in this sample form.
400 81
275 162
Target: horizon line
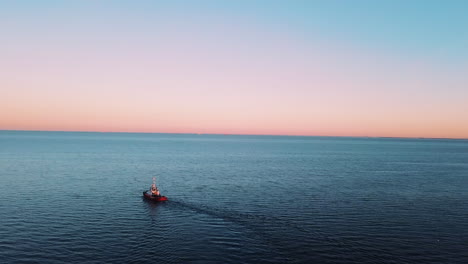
226 134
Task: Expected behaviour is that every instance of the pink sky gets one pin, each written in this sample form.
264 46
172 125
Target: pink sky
232 78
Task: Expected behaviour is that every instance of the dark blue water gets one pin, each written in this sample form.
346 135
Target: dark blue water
76 198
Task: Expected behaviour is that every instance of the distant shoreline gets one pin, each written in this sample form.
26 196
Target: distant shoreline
229 134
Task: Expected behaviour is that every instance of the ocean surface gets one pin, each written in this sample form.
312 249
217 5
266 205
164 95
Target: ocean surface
69 197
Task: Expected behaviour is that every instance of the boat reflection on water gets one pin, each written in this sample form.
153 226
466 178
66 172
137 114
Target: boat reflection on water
153 208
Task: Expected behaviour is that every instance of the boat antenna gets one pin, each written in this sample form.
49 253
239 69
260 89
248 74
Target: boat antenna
154 181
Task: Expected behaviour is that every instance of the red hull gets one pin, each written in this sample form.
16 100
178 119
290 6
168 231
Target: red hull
154 198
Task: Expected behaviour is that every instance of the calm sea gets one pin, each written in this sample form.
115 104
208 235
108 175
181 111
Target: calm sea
76 198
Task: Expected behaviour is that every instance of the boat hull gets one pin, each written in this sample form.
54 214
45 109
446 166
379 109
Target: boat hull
150 197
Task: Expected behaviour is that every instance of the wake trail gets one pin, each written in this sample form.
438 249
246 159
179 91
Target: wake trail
265 227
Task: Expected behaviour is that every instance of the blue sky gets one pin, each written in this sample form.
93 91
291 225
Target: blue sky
386 68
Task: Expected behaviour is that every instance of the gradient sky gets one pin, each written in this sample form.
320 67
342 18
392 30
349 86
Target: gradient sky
338 68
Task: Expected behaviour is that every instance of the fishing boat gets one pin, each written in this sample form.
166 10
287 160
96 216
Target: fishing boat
153 193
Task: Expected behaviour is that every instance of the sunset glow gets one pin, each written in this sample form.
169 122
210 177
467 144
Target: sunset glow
328 68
